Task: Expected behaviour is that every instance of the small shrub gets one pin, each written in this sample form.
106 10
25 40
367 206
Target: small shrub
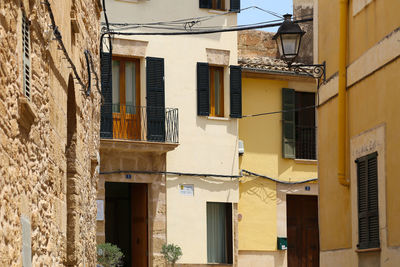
171 253
109 255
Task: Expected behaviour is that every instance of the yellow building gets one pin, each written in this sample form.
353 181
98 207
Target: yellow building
273 212
358 132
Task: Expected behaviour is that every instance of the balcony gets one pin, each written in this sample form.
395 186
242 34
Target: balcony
139 123
306 142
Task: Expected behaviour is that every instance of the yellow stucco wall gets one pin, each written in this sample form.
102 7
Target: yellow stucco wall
372 100
263 155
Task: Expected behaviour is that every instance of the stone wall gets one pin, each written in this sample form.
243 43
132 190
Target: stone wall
254 44
114 158
303 9
47 175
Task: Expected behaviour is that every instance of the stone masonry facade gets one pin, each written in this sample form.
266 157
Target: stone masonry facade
49 141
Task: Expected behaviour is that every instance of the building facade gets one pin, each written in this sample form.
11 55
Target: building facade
278 203
49 133
169 159
359 211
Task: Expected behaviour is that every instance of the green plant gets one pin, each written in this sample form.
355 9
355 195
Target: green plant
171 253
109 255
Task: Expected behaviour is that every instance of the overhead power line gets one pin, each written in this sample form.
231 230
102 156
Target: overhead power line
279 181
238 28
279 111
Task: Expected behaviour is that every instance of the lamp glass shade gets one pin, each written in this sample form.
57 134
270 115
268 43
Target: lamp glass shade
289 45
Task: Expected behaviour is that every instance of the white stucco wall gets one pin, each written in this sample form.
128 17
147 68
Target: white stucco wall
207 145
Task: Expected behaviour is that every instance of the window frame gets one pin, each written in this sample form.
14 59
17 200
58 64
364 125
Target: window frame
212 69
122 79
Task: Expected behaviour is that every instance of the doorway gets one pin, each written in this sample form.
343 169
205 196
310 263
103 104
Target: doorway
302 231
126 220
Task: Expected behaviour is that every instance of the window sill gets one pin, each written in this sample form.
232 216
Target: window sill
306 161
217 11
27 113
368 250
218 118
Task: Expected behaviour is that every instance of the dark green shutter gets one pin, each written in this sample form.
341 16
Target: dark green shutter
235 5
106 126
26 51
205 4
203 89
367 196
288 123
155 98
236 91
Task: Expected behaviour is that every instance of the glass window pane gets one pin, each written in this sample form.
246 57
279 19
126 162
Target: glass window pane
290 44
216 233
130 87
115 85
217 91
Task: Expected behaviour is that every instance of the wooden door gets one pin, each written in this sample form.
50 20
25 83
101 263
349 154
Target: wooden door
302 231
139 225
126 98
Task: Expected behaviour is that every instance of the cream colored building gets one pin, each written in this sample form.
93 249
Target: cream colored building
183 85
49 133
359 198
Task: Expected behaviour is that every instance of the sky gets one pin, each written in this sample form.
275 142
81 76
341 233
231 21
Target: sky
253 15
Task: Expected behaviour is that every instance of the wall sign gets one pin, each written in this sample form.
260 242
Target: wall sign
100 210
186 189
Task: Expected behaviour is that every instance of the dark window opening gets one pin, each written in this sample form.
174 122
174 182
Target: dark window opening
305 130
213 4
219 233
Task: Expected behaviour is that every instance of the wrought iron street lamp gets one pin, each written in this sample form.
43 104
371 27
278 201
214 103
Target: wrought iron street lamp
288 39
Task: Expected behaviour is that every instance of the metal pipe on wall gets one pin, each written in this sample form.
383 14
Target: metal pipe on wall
342 93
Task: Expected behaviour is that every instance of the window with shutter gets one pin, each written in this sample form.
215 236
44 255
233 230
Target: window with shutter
288 123
235 6
106 126
26 51
236 91
216 91
212 4
203 89
155 97
367 199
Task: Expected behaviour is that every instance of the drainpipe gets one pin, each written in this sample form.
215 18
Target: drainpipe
342 93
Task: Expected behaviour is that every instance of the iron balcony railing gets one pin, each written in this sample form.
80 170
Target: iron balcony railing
140 123
306 142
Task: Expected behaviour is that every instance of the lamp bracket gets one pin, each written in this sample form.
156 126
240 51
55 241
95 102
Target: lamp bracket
317 71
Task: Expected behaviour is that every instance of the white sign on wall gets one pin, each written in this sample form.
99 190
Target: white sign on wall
186 189
100 210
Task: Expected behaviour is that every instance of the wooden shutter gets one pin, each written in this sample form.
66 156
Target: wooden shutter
203 89
235 5
155 98
368 213
26 62
205 3
236 91
106 126
288 123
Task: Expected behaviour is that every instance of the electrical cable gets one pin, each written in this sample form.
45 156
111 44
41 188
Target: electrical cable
279 181
266 25
58 37
173 173
280 111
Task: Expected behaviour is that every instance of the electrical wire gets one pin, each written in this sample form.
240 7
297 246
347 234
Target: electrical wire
58 37
280 111
279 181
241 28
173 173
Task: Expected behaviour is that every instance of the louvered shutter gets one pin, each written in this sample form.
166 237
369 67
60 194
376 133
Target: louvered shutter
106 126
288 123
155 97
235 5
26 51
205 3
236 91
203 89
367 196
